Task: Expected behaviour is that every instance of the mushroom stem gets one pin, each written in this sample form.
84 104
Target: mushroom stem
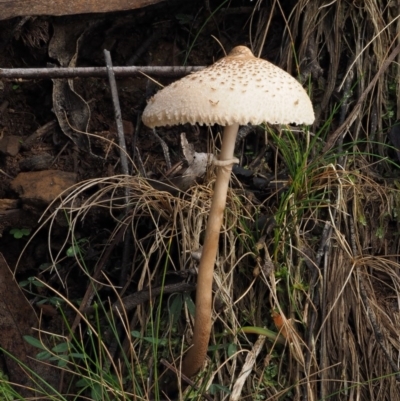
195 357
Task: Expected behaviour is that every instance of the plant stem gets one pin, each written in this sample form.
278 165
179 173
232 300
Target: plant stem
195 357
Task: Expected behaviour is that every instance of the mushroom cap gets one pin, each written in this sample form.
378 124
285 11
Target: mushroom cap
238 88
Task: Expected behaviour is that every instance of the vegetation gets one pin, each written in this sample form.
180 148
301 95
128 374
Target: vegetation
307 276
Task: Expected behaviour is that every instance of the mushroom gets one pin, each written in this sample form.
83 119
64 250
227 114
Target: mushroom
237 89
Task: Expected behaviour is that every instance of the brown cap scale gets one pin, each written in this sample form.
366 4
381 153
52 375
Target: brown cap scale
238 89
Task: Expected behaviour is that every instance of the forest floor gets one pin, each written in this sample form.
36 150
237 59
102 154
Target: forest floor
307 282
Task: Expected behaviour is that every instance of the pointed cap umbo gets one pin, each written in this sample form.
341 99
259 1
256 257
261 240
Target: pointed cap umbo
238 88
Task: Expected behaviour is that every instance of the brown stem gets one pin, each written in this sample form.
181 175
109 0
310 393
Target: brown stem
195 357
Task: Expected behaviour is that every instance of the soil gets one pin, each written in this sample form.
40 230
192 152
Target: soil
33 140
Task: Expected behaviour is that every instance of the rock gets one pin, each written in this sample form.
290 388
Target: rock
42 187
10 145
37 162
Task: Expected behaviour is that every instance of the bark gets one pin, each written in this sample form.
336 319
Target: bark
17 8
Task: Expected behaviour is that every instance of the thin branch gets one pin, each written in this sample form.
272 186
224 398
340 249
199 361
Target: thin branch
77 72
123 158
39 133
118 117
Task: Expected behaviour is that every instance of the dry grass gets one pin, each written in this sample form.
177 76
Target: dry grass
351 303
323 274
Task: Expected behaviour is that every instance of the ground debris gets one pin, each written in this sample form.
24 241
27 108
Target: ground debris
36 162
42 187
10 145
6 204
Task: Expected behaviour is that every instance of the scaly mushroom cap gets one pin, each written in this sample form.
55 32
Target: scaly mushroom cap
239 88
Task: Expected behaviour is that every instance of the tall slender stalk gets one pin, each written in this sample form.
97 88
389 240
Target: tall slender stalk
195 357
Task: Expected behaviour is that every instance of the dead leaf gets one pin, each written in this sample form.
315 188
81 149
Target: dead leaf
71 110
197 165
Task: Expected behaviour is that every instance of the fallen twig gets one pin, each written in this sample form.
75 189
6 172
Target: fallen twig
118 117
123 157
131 301
79 72
39 133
